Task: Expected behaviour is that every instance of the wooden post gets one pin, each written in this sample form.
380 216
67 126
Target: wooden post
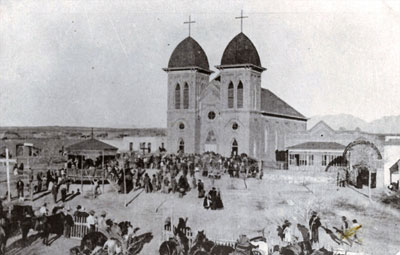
81 174
104 171
8 177
369 184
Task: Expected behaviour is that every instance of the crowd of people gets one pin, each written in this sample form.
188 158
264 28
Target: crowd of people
176 173
55 181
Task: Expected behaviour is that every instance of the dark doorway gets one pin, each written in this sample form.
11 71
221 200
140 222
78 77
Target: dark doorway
235 148
363 178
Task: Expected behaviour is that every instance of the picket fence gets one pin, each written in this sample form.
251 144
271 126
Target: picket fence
80 228
168 233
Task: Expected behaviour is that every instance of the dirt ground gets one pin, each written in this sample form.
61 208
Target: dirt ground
249 206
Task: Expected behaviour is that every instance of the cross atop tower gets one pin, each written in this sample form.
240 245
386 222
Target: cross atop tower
189 23
241 17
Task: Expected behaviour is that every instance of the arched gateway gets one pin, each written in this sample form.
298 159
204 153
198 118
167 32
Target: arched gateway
363 159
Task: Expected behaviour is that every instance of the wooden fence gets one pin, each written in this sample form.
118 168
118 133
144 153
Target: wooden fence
168 233
80 228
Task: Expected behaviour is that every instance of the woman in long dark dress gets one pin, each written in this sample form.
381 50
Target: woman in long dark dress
206 201
219 203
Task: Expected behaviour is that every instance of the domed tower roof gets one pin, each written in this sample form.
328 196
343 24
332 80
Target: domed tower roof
241 52
188 55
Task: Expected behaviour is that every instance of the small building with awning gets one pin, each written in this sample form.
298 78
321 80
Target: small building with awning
313 155
91 155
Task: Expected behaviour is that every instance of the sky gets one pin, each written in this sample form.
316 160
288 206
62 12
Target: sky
99 63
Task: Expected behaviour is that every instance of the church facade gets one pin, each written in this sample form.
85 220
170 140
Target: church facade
230 114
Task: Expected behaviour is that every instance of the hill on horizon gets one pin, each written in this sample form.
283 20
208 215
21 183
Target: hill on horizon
386 124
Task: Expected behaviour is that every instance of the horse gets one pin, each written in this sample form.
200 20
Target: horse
292 249
177 245
53 224
322 251
93 239
207 247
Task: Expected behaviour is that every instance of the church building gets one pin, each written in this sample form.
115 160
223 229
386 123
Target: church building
230 114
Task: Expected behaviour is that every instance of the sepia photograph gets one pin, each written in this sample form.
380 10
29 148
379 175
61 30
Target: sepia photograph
200 127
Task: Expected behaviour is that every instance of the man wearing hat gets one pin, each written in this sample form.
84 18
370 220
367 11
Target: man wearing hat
68 223
20 188
91 221
244 246
314 223
102 226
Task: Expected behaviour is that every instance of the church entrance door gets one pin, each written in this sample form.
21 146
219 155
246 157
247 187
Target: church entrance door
211 142
210 147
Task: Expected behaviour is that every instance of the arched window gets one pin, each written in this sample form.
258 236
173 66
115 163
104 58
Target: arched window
186 97
182 146
178 97
235 147
240 95
230 95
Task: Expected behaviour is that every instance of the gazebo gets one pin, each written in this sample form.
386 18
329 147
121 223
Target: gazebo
89 157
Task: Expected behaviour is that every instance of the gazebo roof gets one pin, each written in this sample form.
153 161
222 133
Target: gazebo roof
91 145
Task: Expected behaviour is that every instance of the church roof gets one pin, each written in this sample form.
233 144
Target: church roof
318 146
188 53
91 145
240 51
271 104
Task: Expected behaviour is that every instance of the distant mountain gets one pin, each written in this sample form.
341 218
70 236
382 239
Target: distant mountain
387 124
346 121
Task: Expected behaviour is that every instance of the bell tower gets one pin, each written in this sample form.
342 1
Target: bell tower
188 74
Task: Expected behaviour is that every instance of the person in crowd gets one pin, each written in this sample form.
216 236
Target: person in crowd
68 223
345 224
91 221
213 198
174 185
43 211
194 182
147 183
20 188
96 187
355 226
181 227
244 246
200 188
102 225
166 188
288 233
63 189
54 192
39 180
314 224
154 183
207 201
80 212
49 178
218 200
